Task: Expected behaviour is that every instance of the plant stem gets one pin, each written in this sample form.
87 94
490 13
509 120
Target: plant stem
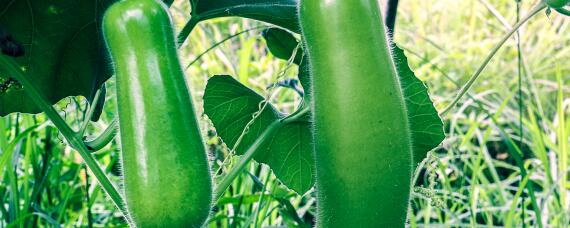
72 137
245 158
168 2
252 150
296 116
391 12
539 7
563 11
188 27
90 111
105 138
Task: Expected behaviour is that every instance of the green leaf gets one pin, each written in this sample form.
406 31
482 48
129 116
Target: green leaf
425 124
288 152
59 44
282 44
278 12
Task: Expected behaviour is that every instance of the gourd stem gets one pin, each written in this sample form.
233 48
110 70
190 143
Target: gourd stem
105 138
539 7
74 140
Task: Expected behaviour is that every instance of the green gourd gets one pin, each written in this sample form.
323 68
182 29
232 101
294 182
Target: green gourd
362 136
167 178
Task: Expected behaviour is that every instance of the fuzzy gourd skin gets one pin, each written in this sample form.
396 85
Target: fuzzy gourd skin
362 139
167 180
557 3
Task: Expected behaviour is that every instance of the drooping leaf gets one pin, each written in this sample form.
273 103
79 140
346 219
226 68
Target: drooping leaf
278 12
230 106
425 124
58 43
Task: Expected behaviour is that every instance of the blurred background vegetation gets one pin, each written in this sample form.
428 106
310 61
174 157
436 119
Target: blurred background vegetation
515 117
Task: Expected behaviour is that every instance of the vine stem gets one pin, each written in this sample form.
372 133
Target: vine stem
252 150
105 138
246 158
296 116
563 11
536 9
261 106
187 29
90 111
72 137
391 13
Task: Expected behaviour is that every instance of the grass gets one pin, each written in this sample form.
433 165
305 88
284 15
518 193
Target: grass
508 136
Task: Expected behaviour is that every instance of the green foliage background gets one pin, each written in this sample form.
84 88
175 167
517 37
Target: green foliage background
472 179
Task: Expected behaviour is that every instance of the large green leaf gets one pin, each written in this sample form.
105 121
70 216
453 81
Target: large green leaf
62 46
278 12
288 152
425 123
